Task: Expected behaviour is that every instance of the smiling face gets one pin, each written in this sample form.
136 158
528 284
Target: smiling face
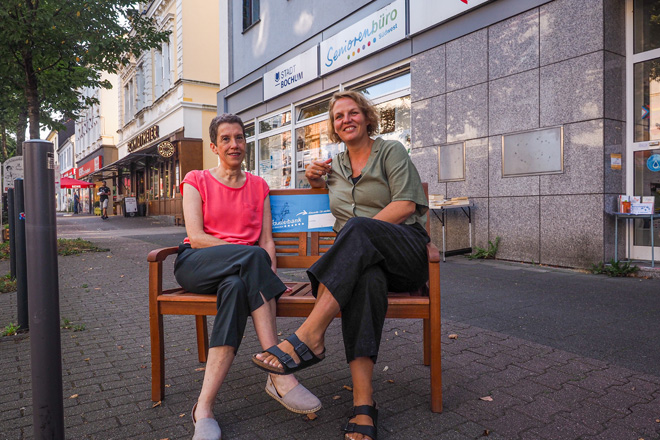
230 145
349 121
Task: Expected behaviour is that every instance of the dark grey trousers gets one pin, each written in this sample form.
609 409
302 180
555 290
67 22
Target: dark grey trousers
238 275
368 259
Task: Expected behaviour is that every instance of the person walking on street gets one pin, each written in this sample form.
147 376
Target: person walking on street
76 203
104 193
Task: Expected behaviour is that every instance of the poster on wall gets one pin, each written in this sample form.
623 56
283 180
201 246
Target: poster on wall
301 212
369 35
426 13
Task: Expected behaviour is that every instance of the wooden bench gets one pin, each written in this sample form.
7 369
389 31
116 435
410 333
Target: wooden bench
294 250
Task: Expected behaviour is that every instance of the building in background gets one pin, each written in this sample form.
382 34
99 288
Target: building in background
64 141
166 100
96 140
541 112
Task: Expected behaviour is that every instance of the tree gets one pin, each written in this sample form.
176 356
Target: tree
51 49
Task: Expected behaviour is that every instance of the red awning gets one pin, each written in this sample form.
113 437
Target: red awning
68 182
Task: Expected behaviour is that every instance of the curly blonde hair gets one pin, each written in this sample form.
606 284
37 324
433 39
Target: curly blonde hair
366 106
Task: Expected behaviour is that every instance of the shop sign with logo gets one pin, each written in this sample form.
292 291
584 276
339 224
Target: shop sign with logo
12 169
427 13
148 135
71 172
166 149
369 35
295 72
90 166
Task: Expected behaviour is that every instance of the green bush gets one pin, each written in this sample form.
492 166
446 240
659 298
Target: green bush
481 253
614 268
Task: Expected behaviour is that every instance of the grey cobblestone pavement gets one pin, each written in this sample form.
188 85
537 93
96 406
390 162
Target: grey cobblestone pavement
562 354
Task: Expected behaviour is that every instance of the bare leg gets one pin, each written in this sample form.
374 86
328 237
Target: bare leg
266 329
312 330
362 370
217 367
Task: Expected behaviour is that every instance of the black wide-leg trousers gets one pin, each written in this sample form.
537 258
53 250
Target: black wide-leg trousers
238 275
368 259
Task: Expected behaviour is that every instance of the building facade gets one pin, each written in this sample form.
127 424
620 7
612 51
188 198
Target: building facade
166 100
534 109
96 140
64 141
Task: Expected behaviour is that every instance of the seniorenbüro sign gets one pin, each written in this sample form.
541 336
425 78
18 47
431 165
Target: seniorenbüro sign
369 35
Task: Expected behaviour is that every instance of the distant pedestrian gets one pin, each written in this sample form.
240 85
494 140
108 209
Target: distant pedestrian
76 203
104 192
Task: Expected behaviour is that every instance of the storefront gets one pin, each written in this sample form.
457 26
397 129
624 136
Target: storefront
152 171
520 106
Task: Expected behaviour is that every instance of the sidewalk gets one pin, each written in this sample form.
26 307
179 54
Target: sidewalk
563 355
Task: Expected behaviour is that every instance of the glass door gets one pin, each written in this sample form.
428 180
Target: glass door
643 110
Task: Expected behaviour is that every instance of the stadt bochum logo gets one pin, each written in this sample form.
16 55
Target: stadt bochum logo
277 77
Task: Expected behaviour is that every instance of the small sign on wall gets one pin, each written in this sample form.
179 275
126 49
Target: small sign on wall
615 161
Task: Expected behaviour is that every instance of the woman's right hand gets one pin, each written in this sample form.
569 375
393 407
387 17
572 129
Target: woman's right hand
317 169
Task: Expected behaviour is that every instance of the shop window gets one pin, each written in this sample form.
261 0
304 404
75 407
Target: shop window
647 183
647 100
315 109
646 28
248 161
394 120
249 130
312 143
275 160
385 87
451 162
250 13
533 152
273 122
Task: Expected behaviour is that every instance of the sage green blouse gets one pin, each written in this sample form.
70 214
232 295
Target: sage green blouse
388 176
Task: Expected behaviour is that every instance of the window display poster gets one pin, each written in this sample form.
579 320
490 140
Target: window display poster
301 213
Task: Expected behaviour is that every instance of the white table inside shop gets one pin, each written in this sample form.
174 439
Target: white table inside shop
440 208
628 217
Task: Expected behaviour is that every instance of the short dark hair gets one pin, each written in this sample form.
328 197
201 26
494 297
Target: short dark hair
363 103
225 118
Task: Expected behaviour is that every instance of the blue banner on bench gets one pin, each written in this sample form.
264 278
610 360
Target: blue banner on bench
301 213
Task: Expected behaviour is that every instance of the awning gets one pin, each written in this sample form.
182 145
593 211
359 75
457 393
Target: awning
68 182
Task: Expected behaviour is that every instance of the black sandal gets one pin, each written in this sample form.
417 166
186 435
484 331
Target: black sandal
366 410
289 366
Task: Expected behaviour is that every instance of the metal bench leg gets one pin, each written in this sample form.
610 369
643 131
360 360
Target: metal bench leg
202 337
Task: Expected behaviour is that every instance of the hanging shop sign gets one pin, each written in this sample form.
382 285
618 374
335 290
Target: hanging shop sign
427 13
166 149
148 135
90 166
71 172
12 169
295 72
369 35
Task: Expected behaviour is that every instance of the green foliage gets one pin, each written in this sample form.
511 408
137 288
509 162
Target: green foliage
51 50
65 246
11 329
68 325
614 268
481 253
7 284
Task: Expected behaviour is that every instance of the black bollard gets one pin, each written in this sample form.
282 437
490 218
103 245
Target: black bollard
43 295
10 220
21 258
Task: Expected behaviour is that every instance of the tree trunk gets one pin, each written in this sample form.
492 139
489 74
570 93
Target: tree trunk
4 143
32 94
21 126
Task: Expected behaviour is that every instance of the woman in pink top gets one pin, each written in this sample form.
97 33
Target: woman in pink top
229 252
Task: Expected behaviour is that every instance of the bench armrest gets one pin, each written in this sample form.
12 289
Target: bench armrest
432 253
161 254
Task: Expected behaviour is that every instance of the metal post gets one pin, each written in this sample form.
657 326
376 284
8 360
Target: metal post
12 244
43 297
20 254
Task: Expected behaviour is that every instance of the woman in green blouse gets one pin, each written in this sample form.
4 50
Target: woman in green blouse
380 207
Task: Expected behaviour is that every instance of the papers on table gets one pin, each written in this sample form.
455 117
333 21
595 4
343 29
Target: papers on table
437 201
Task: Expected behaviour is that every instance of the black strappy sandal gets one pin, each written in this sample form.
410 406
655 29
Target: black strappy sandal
366 410
289 366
